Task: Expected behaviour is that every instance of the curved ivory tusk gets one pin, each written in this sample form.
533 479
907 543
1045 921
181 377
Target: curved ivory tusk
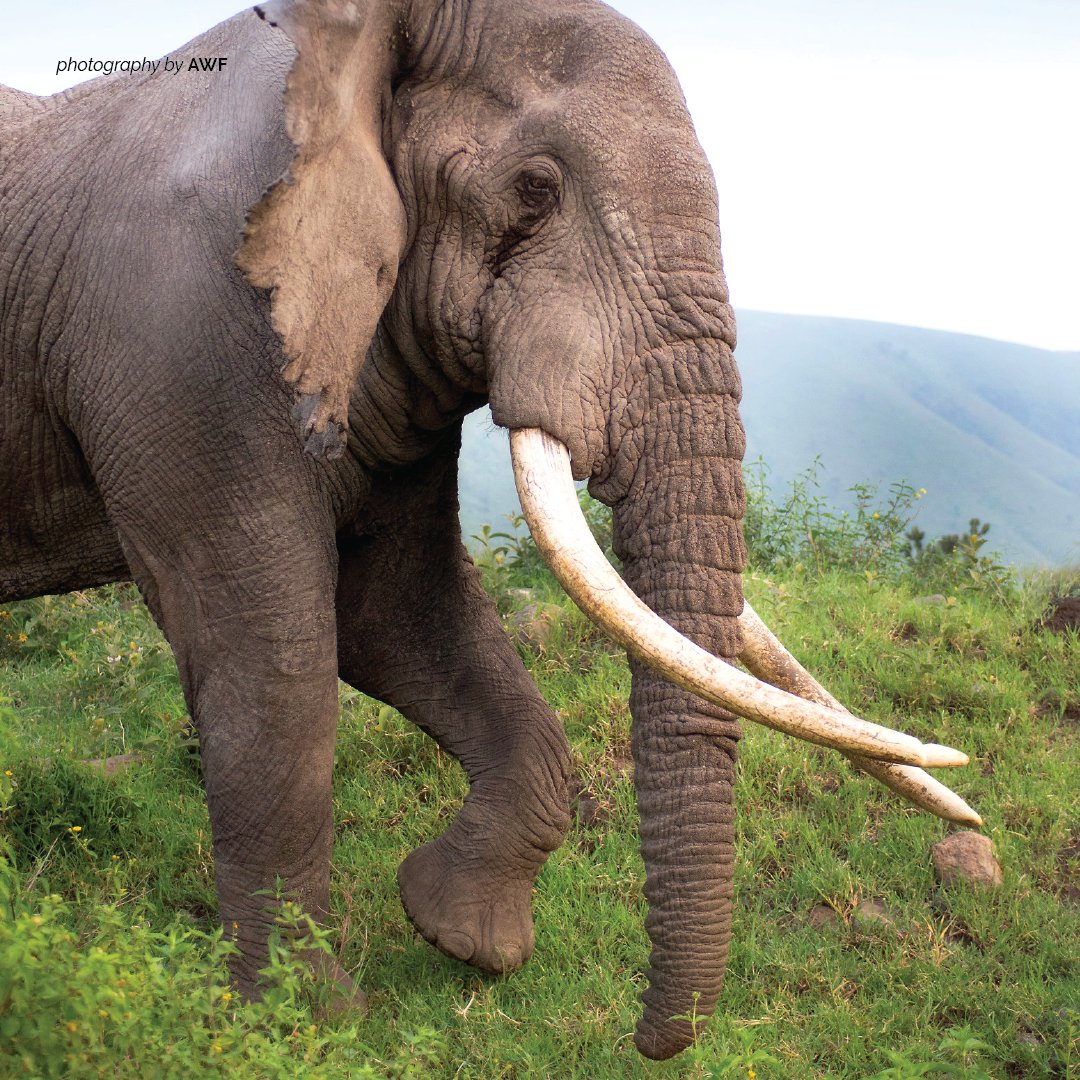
765 656
549 501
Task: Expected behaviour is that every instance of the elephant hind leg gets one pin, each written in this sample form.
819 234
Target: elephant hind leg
416 630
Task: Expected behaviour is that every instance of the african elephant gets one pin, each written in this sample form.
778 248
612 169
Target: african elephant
244 313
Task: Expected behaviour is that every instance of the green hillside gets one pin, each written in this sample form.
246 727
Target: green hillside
990 429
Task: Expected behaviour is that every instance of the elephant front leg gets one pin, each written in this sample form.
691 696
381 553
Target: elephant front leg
267 748
254 637
416 630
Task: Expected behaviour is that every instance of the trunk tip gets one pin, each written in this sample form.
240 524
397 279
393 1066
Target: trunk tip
659 1039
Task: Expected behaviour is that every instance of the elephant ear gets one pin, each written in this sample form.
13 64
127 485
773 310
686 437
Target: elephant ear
328 236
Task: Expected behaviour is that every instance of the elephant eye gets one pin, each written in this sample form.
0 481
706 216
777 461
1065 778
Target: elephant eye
538 189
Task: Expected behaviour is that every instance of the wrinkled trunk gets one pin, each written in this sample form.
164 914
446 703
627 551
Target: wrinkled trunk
684 792
677 531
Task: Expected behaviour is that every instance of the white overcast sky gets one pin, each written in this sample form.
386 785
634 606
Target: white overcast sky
910 161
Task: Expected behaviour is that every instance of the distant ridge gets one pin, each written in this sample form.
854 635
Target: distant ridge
990 429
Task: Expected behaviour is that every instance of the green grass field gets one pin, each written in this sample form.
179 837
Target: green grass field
109 963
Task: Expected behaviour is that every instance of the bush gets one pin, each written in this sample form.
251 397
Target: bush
110 996
800 531
512 559
96 992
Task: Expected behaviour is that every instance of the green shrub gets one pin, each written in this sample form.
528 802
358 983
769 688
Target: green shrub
98 993
799 531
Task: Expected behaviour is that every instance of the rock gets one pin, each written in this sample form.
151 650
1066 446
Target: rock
110 766
531 627
966 857
821 916
873 911
936 598
1062 613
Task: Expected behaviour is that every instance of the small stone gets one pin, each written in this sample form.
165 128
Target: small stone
531 627
873 911
967 857
820 916
110 766
935 598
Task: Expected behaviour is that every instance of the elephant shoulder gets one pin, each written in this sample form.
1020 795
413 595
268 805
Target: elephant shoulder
17 107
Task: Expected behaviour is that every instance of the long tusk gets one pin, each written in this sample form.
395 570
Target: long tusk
765 656
549 501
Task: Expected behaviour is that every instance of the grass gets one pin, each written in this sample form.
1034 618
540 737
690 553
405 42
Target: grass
110 963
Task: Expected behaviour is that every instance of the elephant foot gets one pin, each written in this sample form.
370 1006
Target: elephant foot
335 991
468 909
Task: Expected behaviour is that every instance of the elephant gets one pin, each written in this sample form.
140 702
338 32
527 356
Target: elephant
244 312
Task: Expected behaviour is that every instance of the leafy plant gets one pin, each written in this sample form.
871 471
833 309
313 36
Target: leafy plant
877 537
512 559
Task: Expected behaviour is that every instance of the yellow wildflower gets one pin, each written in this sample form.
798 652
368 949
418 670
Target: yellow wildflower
75 829
22 637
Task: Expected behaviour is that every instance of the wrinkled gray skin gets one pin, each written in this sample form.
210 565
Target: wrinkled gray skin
562 260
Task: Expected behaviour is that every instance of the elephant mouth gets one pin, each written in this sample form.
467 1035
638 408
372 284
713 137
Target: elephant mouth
778 692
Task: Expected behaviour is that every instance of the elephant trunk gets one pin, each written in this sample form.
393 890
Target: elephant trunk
677 532
684 790
677 614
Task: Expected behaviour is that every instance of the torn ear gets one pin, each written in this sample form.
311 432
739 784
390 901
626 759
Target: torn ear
328 236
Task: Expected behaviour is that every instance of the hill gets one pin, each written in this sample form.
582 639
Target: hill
990 429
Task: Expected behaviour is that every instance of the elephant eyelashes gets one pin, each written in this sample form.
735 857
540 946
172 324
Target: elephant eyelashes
538 190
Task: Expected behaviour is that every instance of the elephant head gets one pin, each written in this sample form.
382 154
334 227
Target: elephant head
508 198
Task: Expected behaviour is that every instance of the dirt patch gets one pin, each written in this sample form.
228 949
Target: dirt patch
1062 614
822 916
1068 871
1051 701
533 626
592 799
873 911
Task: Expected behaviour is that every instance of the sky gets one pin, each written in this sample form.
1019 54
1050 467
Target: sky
908 161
